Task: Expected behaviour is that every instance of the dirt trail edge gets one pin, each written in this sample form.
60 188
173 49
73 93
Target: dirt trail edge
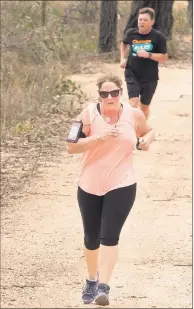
42 259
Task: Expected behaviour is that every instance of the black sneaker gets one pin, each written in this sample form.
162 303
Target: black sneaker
102 294
89 291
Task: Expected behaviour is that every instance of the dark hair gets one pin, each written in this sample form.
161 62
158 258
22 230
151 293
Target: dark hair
109 78
148 11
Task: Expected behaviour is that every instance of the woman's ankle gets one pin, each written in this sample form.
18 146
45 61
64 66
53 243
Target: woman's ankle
93 277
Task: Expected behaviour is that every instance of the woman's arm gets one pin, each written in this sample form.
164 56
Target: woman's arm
144 131
83 144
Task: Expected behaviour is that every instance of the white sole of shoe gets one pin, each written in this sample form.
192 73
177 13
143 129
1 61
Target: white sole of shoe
102 300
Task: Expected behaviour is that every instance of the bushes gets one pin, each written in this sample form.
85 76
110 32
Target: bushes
35 58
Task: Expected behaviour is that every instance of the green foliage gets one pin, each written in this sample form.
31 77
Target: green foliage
36 61
67 86
22 32
25 127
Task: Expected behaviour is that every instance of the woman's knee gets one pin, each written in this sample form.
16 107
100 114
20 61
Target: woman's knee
109 241
91 243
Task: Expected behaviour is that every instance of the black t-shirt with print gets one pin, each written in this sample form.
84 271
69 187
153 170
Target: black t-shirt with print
144 69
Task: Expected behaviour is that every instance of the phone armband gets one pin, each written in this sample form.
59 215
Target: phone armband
75 132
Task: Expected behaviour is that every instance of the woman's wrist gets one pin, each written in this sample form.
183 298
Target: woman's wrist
95 138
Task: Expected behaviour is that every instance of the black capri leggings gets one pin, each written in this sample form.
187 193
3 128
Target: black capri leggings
104 216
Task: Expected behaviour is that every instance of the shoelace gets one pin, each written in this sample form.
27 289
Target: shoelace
89 288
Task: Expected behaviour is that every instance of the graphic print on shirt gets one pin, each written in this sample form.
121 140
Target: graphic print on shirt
141 44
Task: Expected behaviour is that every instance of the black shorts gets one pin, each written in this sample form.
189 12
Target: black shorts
136 88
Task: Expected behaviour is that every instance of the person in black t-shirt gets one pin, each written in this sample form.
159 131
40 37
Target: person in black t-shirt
145 47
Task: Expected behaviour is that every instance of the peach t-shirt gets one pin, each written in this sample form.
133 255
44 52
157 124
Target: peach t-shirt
109 165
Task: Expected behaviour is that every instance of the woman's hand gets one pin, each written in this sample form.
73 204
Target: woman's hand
144 131
144 143
108 134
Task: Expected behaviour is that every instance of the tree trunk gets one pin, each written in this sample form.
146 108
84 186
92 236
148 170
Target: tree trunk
164 17
190 12
43 13
108 26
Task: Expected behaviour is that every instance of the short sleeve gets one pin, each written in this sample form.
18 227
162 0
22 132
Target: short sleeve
127 37
161 44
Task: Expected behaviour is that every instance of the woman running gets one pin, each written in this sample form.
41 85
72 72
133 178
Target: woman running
106 183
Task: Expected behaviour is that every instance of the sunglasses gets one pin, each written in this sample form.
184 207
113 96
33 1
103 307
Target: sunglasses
113 93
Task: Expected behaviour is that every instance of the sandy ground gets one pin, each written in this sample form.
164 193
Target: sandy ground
41 252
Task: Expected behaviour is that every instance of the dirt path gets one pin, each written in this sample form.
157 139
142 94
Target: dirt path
42 260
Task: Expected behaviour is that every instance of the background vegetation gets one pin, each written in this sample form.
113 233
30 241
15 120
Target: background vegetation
37 96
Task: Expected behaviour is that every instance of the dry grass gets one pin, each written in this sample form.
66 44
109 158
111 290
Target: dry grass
37 98
35 59
180 47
